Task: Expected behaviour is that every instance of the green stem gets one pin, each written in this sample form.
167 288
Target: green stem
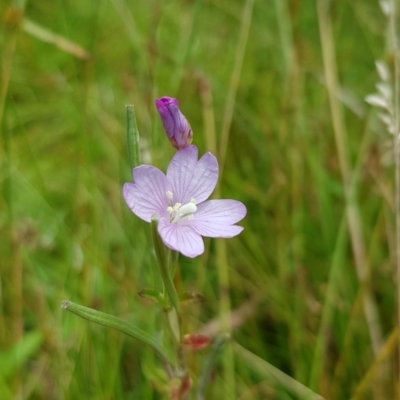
162 259
172 261
117 323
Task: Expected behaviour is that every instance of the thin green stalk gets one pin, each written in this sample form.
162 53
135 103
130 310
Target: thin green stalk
328 308
174 322
386 351
234 83
117 323
352 209
132 137
291 130
172 261
208 114
334 281
185 44
396 149
268 371
286 35
162 259
6 66
224 317
48 36
12 22
223 270
132 33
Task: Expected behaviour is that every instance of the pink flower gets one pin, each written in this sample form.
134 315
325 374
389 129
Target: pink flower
175 124
179 198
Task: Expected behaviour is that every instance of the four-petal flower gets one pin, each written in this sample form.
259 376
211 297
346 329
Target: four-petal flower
179 198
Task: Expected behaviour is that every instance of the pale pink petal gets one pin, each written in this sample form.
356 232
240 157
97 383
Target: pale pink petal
147 195
186 178
181 238
215 218
190 178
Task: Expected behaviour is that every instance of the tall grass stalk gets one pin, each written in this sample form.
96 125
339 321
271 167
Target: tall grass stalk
385 352
396 149
234 83
327 312
268 371
131 30
352 210
13 19
222 259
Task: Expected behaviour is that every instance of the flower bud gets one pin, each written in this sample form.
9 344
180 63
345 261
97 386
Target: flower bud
175 124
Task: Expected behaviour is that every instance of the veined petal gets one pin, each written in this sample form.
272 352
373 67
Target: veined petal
181 238
147 196
224 211
190 178
214 230
180 171
215 218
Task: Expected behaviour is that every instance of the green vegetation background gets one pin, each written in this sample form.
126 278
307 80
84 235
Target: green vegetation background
251 78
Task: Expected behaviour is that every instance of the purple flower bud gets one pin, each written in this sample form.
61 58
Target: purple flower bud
175 124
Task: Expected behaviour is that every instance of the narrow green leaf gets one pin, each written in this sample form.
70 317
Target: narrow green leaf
20 352
268 371
48 36
17 355
132 137
117 323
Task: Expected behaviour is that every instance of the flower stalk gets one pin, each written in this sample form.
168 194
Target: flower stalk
174 321
162 258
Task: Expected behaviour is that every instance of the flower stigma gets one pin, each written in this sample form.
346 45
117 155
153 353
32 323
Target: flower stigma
178 211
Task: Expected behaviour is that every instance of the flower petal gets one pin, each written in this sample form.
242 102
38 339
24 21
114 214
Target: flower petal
215 218
190 178
147 196
181 238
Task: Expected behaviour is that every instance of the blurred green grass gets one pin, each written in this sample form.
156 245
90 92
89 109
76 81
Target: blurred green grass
66 232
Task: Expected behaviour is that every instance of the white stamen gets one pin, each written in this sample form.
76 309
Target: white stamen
192 200
169 194
170 210
177 206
